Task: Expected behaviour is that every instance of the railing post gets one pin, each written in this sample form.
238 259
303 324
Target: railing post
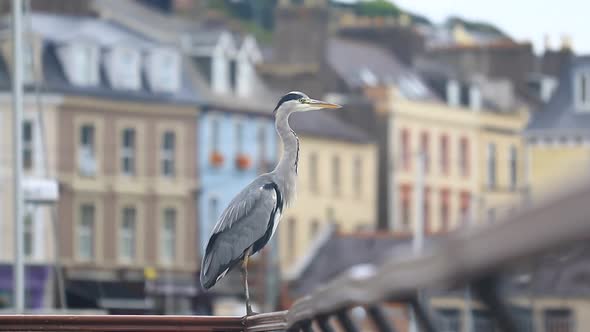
324 323
345 321
486 289
379 319
306 326
422 314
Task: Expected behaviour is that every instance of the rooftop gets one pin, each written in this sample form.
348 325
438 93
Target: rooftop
561 112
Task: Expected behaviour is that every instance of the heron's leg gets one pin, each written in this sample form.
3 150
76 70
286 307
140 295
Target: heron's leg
245 278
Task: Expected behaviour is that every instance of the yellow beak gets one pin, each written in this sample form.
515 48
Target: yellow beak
323 104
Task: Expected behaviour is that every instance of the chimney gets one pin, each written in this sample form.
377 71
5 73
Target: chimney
566 43
301 33
547 42
475 99
453 93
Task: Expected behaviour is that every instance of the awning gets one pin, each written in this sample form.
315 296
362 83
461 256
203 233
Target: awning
109 294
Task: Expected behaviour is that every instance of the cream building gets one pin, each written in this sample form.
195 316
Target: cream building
336 183
558 137
474 168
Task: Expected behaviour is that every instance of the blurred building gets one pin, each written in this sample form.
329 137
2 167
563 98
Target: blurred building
473 159
39 164
119 134
557 136
336 183
236 138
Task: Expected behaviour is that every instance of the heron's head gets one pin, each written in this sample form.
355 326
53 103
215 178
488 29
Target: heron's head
296 101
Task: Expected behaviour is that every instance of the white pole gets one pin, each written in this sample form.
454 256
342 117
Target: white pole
17 109
418 229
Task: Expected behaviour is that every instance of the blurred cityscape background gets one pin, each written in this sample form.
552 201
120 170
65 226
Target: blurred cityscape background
148 116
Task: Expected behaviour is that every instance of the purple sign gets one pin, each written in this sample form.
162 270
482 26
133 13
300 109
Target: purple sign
36 280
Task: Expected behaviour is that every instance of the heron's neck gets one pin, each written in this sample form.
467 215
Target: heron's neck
287 167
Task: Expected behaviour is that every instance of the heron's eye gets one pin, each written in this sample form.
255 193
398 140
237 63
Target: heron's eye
302 100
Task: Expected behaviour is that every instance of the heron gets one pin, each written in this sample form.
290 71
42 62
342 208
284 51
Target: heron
252 217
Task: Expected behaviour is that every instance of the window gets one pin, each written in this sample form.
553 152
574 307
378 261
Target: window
213 213
336 175
168 154
558 320
239 136
163 70
246 74
29 235
168 237
424 149
491 165
127 235
27 135
357 177
582 90
220 80
83 65
405 197
86 232
449 320
28 64
444 154
513 168
464 156
444 210
313 172
426 210
215 124
291 245
483 321
87 162
261 138
314 229
464 206
405 147
125 72
128 152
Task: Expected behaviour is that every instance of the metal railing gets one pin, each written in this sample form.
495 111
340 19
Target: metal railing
474 256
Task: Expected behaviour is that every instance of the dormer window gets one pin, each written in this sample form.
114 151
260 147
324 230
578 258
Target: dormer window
80 63
244 71
163 70
220 80
582 90
123 67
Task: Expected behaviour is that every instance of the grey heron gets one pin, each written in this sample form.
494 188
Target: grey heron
251 218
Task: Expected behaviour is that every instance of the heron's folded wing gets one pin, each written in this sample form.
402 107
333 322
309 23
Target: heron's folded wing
243 222
254 195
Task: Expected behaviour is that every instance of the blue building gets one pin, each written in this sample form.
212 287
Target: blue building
234 148
236 136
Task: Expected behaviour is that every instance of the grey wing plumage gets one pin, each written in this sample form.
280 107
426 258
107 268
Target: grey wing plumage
246 222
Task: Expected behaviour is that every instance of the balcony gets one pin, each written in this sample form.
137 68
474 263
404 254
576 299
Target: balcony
476 257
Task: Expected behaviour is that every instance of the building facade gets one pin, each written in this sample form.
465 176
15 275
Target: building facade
336 184
473 163
39 163
119 124
557 137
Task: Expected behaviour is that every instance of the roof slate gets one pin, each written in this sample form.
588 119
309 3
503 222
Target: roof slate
560 113
104 33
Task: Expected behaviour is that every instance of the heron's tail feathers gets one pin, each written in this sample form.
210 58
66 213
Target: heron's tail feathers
218 260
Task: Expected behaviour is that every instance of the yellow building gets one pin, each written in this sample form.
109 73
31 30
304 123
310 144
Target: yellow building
336 183
472 159
558 136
